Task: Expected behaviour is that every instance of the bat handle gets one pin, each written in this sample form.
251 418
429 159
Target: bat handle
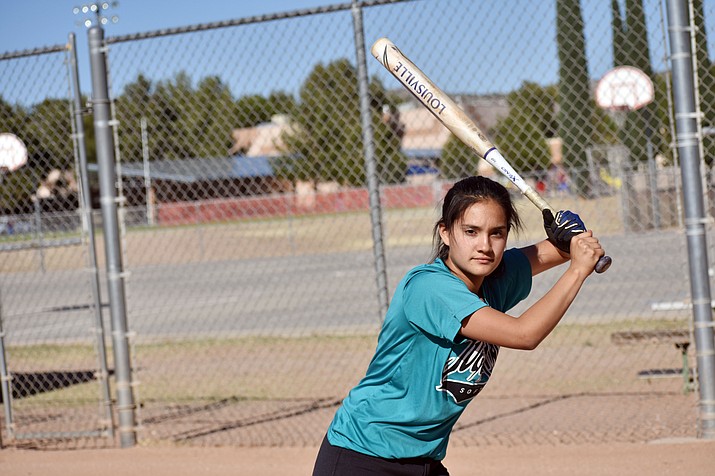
603 263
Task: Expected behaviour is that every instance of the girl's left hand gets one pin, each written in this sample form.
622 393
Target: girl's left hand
560 229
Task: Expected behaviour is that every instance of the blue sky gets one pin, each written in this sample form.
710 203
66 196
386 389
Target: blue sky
30 24
27 24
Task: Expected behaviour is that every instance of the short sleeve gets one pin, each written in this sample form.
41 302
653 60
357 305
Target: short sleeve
437 303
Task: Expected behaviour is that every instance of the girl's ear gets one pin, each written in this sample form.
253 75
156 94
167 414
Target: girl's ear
444 234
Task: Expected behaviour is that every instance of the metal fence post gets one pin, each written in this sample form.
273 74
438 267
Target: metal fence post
5 380
88 223
687 141
373 182
110 222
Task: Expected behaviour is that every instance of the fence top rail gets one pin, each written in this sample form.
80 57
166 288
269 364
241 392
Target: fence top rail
203 26
247 20
33 52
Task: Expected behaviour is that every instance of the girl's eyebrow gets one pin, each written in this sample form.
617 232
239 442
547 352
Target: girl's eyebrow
477 227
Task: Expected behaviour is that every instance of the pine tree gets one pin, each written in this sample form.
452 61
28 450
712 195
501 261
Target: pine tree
576 105
620 54
640 126
637 37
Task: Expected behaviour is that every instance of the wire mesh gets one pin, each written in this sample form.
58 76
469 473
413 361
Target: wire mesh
252 296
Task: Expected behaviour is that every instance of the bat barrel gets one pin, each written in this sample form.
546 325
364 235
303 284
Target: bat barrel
430 95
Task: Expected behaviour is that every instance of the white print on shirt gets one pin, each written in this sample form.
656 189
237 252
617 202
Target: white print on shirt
465 375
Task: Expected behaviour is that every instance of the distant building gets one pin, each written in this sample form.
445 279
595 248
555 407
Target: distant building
197 179
425 136
263 140
422 135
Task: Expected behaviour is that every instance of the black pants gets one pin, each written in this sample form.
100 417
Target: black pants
336 461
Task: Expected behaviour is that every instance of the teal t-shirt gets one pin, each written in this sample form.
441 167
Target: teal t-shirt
424 373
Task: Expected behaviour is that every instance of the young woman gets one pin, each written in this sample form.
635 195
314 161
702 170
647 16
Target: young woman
443 330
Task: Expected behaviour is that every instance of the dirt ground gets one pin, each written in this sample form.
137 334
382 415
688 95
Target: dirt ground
685 456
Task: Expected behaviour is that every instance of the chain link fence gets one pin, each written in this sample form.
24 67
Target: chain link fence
254 291
55 384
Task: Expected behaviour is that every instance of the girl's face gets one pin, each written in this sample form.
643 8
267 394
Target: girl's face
476 242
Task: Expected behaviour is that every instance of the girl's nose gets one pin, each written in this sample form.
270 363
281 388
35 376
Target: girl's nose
484 243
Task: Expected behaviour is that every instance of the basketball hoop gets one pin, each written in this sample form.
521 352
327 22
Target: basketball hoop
13 153
624 88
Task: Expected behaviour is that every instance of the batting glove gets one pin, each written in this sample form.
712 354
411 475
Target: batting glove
561 228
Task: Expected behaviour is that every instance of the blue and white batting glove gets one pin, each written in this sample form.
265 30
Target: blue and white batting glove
562 227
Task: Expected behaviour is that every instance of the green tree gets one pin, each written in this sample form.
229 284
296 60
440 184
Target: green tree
637 37
325 143
134 104
251 110
576 105
521 136
639 125
213 114
16 187
162 106
8 119
48 148
175 117
630 47
619 35
255 109
16 190
281 103
184 121
457 160
40 128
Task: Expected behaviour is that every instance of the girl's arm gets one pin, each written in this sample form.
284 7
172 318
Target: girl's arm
528 330
543 256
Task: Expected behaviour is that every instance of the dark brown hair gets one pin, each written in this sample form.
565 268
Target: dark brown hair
463 195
